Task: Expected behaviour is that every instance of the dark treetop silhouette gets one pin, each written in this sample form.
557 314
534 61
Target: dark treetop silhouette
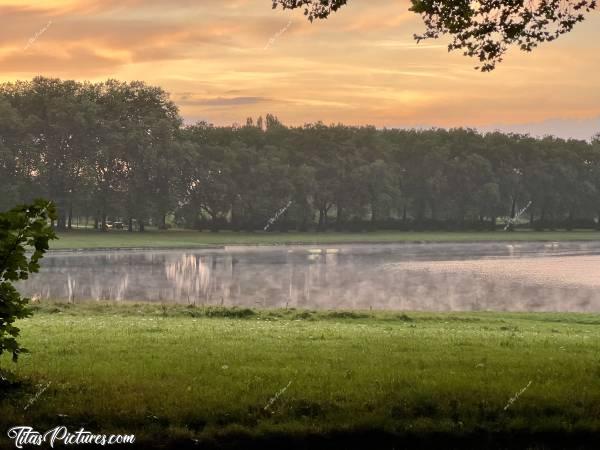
483 29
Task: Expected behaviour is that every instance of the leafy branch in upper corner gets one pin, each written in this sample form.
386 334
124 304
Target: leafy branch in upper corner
483 29
25 232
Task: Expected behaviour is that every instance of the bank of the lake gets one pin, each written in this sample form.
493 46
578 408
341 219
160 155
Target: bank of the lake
240 378
79 239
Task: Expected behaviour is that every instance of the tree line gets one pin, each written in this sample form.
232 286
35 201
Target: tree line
117 151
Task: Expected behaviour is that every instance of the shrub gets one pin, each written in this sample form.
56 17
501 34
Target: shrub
24 235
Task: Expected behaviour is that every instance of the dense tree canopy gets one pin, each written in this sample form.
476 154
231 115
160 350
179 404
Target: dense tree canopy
117 152
483 29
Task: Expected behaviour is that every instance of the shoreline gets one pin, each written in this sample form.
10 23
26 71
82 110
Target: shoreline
182 310
225 245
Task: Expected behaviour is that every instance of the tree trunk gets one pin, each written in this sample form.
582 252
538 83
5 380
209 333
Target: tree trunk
513 213
214 223
570 221
339 220
305 217
130 225
513 208
70 217
531 219
321 219
61 223
235 226
543 219
283 223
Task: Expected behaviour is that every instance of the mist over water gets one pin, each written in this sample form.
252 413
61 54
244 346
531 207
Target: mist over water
421 277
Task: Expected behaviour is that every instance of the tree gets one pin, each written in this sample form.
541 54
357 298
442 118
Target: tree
119 150
483 29
56 116
14 157
22 229
145 121
381 187
209 186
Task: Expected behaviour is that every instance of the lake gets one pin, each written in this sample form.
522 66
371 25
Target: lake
525 276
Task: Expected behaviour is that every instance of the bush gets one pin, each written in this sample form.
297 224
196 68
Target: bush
24 235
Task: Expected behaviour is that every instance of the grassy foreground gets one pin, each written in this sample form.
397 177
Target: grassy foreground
164 239
217 378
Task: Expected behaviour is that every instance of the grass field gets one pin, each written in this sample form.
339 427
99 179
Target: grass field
163 239
215 378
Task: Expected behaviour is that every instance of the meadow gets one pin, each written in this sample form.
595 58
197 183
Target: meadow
190 377
80 239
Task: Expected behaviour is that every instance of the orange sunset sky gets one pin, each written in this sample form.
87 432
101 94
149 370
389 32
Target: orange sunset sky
224 60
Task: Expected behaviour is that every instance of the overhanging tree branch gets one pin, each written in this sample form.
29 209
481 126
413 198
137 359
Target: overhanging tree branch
483 29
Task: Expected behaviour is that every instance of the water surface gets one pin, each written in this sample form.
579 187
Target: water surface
428 277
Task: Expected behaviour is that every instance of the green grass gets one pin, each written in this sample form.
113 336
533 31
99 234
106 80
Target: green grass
179 376
165 239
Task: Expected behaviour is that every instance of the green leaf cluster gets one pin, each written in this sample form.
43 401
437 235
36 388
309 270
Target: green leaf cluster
24 235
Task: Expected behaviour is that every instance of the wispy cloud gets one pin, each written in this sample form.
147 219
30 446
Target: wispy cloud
222 101
359 66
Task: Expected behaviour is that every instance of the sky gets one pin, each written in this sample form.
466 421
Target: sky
225 60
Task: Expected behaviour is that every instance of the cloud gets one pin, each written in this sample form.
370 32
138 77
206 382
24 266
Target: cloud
89 62
222 101
359 66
